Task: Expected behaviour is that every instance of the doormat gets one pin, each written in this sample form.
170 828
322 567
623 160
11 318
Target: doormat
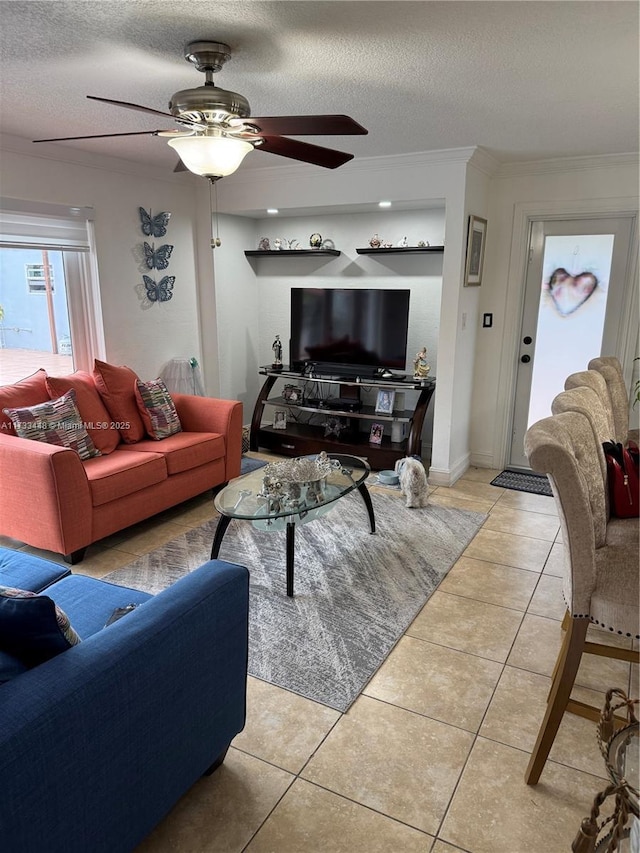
519 481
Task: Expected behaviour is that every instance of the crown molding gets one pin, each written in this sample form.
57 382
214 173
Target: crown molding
566 164
484 162
76 157
422 159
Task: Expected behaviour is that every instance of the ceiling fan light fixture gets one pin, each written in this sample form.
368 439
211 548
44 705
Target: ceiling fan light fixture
211 156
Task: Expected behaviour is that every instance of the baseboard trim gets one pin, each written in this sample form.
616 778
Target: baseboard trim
444 477
483 460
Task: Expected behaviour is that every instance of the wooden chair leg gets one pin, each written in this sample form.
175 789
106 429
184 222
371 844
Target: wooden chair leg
565 675
563 627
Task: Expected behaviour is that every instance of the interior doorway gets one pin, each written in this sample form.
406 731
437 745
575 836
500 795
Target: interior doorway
573 309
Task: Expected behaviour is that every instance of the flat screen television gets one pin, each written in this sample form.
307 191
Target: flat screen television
357 331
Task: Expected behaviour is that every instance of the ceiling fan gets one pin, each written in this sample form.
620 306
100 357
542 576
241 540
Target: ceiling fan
216 129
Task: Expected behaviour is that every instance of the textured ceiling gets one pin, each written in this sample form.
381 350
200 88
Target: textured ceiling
525 80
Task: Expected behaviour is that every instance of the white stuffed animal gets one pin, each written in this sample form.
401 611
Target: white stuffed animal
413 481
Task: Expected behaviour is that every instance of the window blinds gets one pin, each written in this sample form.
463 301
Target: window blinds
38 225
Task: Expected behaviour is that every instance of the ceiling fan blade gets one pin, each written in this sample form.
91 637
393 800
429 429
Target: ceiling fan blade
101 136
131 106
316 154
329 125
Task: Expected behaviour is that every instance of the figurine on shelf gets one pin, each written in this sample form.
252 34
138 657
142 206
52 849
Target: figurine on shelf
315 241
277 244
402 244
423 244
375 241
420 367
292 244
387 245
264 244
276 346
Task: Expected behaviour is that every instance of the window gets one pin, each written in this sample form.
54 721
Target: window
36 281
61 330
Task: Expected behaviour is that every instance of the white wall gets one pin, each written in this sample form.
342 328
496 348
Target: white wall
142 337
472 363
582 186
253 294
433 175
237 314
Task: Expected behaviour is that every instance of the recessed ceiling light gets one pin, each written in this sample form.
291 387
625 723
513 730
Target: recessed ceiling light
272 210
384 204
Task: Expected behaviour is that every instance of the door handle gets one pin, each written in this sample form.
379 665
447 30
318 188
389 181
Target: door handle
525 359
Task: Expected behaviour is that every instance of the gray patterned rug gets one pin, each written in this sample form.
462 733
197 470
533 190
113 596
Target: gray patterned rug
355 594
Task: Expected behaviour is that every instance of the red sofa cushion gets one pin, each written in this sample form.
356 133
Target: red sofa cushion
27 392
92 409
184 450
116 386
119 474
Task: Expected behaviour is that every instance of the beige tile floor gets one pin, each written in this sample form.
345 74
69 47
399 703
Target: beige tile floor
431 757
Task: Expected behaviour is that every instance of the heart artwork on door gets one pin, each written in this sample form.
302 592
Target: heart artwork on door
569 292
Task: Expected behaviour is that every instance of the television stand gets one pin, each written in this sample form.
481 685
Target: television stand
305 429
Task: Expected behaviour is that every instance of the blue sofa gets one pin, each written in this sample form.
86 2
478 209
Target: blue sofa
98 743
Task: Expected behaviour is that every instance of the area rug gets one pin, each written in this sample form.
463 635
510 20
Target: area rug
521 481
247 464
355 593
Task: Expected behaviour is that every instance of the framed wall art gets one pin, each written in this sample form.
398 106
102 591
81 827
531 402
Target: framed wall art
475 251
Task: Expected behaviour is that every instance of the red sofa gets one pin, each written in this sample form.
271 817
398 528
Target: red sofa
51 499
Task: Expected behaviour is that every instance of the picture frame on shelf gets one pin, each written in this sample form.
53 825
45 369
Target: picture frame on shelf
476 239
280 419
384 401
375 436
292 394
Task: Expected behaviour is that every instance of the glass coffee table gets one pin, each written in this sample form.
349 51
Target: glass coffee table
270 510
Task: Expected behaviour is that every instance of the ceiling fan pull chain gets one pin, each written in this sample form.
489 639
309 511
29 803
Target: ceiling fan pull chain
217 241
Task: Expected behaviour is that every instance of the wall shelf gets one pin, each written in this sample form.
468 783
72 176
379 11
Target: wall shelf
398 250
278 253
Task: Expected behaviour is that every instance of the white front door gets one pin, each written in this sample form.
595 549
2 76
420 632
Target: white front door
573 310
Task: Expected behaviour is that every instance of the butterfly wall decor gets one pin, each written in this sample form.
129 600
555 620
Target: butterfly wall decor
161 291
153 226
157 258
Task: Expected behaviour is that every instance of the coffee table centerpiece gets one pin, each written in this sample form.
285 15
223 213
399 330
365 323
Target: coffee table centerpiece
290 492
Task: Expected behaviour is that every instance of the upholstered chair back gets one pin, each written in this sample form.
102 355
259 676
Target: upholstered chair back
564 448
588 403
611 371
594 380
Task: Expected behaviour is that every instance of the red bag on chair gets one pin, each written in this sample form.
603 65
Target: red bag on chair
623 479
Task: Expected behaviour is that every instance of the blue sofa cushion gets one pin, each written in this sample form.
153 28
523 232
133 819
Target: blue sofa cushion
25 571
32 627
90 602
10 666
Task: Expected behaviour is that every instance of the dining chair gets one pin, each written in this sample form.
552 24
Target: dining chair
600 573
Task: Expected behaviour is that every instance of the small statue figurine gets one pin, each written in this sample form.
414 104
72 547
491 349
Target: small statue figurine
315 241
276 346
277 244
420 367
375 241
402 244
264 244
423 244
